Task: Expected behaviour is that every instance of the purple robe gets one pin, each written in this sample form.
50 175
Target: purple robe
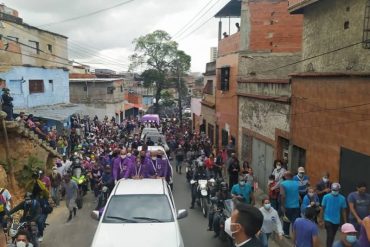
145 170
160 166
120 167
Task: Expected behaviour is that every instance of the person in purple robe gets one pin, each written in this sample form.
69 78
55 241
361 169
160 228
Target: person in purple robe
121 165
159 164
143 168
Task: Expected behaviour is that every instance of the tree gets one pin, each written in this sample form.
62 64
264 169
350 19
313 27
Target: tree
181 66
167 99
157 52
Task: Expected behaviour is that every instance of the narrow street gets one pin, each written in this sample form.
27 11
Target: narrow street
80 231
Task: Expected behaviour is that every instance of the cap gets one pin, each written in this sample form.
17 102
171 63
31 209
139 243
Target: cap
335 186
301 169
348 228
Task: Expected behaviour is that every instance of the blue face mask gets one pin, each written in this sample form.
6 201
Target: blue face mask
267 206
351 239
335 193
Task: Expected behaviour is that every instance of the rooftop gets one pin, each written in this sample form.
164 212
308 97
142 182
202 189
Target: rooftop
297 7
142 186
231 9
58 112
95 79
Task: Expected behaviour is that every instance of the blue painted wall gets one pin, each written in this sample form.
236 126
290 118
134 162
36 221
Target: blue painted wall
54 93
148 100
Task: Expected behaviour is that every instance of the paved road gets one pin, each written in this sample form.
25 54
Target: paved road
80 231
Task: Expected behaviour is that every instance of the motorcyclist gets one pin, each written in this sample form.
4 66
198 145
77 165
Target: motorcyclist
199 174
107 178
32 212
214 217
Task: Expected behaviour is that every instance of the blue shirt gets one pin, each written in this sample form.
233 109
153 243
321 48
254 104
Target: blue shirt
333 207
244 191
291 193
307 202
304 230
303 183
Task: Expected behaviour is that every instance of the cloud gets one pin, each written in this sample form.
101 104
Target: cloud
106 38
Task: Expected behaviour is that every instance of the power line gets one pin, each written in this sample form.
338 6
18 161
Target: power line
191 20
184 31
309 58
199 27
87 15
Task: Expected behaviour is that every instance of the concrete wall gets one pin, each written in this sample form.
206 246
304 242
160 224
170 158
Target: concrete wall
55 93
229 45
324 31
57 58
266 25
103 109
322 122
263 65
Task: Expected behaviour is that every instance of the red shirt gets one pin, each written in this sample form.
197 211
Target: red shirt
209 163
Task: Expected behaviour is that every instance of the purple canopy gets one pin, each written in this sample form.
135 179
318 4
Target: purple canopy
150 118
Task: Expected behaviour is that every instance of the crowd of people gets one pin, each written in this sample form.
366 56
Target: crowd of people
106 152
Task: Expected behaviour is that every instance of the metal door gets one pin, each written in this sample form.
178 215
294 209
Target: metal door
262 161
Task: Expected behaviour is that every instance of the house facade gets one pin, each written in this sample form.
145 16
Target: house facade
330 109
33 62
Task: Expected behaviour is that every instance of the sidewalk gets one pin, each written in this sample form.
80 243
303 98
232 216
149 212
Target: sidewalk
259 195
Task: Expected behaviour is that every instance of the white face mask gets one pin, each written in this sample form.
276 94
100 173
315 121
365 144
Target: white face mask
154 158
228 227
21 244
278 167
129 154
123 156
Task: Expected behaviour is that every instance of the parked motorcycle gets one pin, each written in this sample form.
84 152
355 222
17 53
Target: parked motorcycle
82 181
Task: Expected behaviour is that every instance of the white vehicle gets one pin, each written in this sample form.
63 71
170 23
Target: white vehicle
140 213
148 130
155 137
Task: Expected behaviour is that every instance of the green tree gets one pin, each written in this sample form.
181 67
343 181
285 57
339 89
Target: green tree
157 52
167 99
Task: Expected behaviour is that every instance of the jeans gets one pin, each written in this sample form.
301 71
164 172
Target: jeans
292 214
331 230
194 191
210 219
55 195
216 223
264 238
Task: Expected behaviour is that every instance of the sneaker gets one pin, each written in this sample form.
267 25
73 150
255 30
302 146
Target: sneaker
41 239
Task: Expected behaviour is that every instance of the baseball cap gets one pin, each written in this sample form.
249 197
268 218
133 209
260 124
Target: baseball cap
348 228
335 186
301 169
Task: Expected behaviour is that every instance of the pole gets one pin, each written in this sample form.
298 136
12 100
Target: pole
7 153
179 92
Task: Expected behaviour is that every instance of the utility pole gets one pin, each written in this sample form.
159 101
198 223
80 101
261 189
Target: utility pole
7 153
179 92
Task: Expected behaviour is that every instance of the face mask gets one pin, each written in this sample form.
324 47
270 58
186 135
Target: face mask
129 154
267 206
241 183
325 180
351 239
311 194
154 158
335 193
300 174
123 156
21 244
228 227
278 167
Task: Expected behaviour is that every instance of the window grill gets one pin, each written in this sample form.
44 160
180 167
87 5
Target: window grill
366 36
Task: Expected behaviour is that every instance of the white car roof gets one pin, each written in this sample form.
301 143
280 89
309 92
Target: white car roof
148 186
152 148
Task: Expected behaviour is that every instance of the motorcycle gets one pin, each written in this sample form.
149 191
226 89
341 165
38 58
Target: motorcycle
189 170
224 212
82 182
103 197
202 194
31 227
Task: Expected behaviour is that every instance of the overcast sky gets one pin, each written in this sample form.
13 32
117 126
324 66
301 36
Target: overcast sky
109 34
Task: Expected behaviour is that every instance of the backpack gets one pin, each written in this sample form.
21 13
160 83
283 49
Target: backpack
2 201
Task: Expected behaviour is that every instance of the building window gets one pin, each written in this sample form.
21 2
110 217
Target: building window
36 86
85 88
225 78
224 138
110 90
35 45
298 157
50 48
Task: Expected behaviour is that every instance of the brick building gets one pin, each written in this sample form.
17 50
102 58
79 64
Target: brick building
330 125
270 37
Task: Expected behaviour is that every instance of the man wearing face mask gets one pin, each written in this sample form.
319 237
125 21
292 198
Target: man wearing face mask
121 165
303 180
334 205
278 173
159 164
348 237
243 192
199 174
22 239
359 205
244 224
323 187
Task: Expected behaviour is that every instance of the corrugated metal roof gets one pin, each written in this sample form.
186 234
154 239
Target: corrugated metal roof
231 9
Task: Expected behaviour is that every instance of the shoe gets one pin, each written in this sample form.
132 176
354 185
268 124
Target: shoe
191 207
41 239
69 218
